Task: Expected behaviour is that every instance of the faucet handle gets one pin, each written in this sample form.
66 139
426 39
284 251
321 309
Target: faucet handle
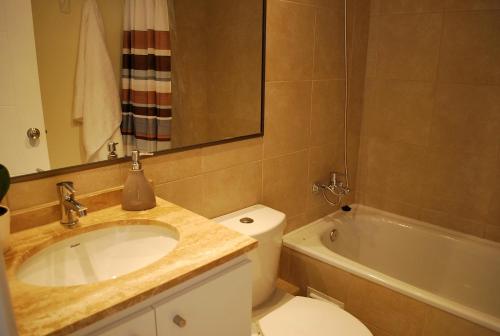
66 185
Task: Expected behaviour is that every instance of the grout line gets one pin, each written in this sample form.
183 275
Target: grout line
311 105
437 12
309 5
329 80
287 81
315 32
491 10
286 154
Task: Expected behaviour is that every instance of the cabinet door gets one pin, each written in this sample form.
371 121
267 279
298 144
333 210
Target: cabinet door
140 324
220 306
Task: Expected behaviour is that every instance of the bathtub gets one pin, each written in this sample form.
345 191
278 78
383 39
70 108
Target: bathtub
455 272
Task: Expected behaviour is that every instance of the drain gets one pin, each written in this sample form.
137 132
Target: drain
74 245
246 220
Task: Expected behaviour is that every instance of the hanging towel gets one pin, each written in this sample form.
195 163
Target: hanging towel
96 101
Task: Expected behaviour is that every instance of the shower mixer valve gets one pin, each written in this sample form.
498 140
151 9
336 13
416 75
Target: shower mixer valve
337 187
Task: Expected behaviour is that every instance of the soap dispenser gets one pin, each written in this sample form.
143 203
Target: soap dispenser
137 192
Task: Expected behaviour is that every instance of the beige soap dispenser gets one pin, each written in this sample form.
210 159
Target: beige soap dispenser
137 192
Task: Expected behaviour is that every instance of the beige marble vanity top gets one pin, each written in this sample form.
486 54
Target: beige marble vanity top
203 245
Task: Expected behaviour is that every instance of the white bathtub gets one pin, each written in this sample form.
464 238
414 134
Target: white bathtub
455 272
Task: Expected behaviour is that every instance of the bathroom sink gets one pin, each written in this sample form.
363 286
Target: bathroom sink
99 255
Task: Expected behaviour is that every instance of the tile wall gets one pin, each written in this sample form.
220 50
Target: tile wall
430 140
303 127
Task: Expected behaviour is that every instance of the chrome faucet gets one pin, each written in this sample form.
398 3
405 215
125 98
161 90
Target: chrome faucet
336 187
71 209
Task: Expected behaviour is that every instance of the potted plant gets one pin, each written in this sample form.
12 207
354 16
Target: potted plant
4 211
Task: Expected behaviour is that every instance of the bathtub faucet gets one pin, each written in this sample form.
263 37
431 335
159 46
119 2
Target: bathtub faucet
337 187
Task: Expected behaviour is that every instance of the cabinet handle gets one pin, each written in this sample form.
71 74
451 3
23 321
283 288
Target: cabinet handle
179 321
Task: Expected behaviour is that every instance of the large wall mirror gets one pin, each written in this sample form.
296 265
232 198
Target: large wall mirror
152 75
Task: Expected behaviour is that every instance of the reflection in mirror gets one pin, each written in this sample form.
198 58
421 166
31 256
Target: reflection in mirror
118 75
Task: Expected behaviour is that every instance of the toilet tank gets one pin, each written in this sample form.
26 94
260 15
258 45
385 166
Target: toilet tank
266 225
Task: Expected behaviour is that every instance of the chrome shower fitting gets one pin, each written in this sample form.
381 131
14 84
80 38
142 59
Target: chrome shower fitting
336 187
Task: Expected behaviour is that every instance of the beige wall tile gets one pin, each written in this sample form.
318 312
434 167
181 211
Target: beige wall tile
231 189
408 46
405 6
450 221
231 154
285 184
295 222
166 168
493 217
329 45
450 177
290 29
471 5
288 115
377 331
399 110
385 203
372 52
331 4
441 323
305 271
387 310
327 118
28 194
284 268
462 109
434 114
316 212
492 232
406 163
187 193
322 161
470 48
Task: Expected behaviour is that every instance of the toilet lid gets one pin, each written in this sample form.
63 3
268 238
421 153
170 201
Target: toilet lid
304 317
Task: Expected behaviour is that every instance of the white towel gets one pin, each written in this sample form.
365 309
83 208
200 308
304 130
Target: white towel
96 102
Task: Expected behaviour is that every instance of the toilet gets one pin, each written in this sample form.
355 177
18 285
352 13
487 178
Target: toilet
300 316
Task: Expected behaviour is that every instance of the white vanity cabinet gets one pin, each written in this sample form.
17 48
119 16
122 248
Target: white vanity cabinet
140 324
216 303
221 306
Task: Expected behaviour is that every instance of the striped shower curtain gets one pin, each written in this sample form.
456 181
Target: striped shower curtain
146 76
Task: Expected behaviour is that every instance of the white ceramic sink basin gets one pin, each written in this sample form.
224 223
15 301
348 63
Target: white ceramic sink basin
98 255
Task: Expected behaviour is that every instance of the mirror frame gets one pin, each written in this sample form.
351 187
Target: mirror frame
87 166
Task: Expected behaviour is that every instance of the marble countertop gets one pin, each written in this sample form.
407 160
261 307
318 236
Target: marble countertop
203 245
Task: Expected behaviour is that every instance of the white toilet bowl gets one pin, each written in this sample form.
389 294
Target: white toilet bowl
309 317
300 316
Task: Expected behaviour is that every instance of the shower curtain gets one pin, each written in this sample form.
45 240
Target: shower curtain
146 76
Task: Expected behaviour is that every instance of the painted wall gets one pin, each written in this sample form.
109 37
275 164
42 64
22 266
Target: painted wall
430 144
57 38
303 138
